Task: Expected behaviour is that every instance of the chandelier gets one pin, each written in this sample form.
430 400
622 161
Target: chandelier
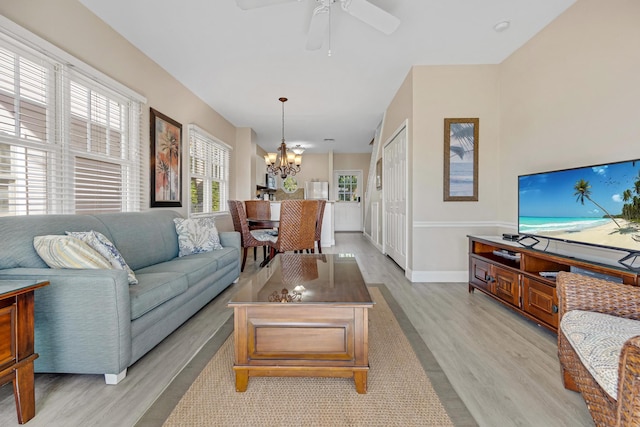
288 163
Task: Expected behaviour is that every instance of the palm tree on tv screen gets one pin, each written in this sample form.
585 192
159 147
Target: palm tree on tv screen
583 191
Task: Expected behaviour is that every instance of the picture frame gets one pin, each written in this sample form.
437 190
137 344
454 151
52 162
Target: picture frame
379 174
165 160
461 159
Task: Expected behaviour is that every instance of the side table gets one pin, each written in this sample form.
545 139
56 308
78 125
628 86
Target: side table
16 342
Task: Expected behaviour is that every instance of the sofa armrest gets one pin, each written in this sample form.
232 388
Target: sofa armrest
579 292
82 319
629 384
230 239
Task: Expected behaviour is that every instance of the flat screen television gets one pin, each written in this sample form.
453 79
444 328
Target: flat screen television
596 205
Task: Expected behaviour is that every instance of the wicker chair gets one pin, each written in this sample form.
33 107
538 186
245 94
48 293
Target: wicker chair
578 292
258 209
320 217
297 229
249 238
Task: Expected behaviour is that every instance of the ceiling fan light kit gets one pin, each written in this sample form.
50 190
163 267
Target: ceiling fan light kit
363 10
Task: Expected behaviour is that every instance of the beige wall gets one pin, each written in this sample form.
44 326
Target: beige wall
358 161
74 29
440 228
314 167
399 111
569 97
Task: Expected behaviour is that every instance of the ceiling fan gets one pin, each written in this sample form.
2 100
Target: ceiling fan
362 9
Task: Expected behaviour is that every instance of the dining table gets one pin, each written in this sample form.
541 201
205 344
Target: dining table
261 223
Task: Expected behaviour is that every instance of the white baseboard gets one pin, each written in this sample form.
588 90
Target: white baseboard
373 242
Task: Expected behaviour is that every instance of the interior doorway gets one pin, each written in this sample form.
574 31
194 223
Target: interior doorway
348 189
394 190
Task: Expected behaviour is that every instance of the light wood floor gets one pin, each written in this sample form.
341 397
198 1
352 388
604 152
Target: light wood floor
503 367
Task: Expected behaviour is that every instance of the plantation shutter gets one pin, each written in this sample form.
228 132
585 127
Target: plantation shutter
209 161
27 128
70 142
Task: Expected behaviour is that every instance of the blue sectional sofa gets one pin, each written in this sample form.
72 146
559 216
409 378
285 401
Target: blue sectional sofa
93 321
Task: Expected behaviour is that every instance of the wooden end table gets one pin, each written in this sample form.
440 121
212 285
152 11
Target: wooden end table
17 343
303 315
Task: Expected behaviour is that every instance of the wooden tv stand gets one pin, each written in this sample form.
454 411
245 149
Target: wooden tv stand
510 273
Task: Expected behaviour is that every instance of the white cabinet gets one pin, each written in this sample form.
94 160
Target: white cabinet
348 216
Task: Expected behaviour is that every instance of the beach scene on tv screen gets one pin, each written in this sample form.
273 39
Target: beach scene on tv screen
598 205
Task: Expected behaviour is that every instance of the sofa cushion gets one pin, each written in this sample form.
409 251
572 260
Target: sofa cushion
196 266
143 238
18 232
153 289
597 339
226 256
197 235
104 247
68 252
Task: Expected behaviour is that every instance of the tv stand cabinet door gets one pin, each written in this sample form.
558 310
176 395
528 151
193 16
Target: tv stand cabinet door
541 301
480 275
507 285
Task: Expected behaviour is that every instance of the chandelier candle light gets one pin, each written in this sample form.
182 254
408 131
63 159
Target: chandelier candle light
289 162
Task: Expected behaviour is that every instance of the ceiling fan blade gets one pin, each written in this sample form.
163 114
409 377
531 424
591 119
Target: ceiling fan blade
318 27
254 4
371 14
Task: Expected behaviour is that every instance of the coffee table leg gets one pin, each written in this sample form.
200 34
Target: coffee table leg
360 378
23 390
242 380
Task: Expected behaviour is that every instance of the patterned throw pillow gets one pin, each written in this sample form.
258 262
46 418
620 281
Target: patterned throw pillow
196 235
101 244
68 252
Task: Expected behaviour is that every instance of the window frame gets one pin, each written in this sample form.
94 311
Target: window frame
61 181
222 177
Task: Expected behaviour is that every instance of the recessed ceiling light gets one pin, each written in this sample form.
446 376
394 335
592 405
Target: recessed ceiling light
502 26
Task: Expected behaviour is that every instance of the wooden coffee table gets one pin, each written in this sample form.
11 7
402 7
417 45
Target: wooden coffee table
303 315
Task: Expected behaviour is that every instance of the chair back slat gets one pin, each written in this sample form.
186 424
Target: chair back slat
258 209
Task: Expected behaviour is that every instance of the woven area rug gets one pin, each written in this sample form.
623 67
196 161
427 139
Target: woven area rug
399 392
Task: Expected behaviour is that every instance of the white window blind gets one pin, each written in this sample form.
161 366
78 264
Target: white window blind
68 142
208 172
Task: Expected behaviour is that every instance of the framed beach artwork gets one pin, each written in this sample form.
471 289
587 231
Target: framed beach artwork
166 160
461 160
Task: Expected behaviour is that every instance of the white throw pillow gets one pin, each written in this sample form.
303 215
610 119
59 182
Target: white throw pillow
196 235
68 252
101 244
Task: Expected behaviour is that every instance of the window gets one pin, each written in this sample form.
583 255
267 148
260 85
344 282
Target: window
209 172
70 140
347 188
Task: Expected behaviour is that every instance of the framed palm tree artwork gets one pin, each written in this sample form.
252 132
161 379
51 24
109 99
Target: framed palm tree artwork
166 160
461 160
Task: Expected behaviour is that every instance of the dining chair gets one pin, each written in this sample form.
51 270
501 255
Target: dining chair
248 238
319 218
297 226
258 209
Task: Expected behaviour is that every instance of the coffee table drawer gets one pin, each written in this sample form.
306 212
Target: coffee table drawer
296 334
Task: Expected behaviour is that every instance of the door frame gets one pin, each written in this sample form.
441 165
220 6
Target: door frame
404 125
360 174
